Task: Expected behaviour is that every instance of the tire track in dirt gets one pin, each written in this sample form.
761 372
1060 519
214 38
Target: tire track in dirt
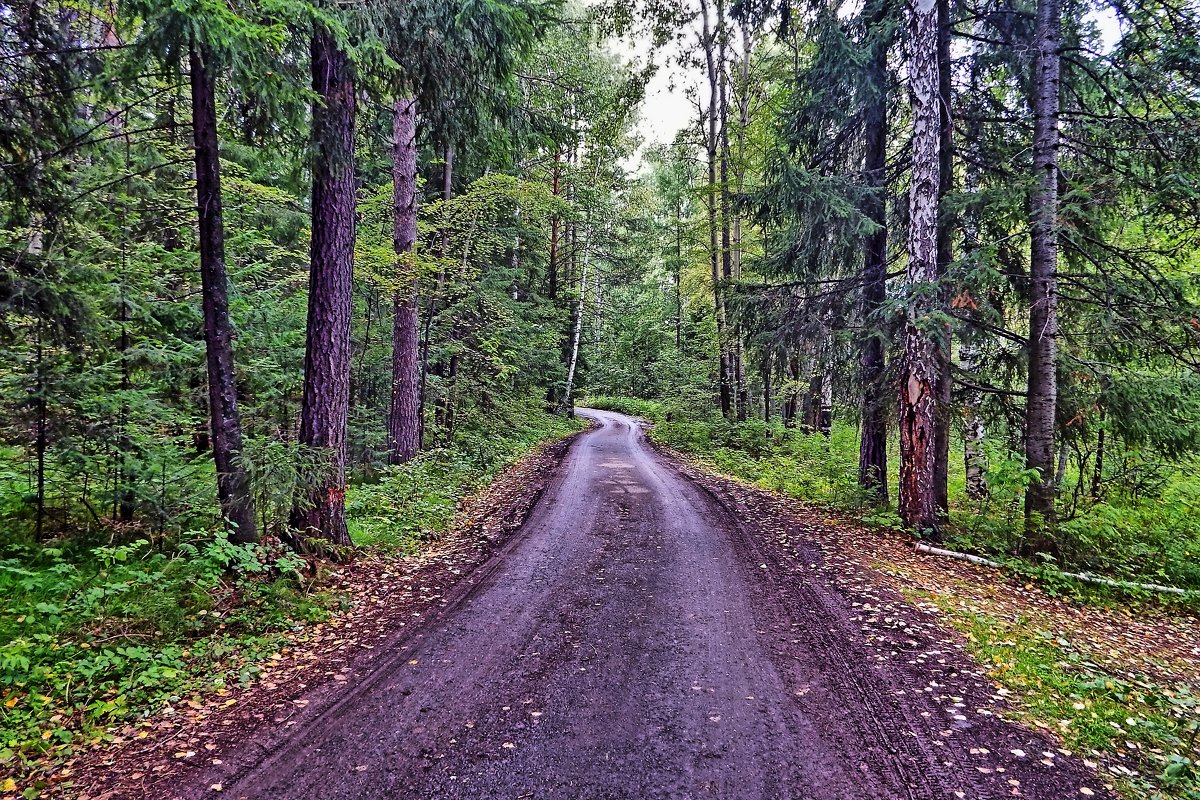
636 640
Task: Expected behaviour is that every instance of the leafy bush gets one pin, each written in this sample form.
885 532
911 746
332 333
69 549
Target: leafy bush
87 639
410 503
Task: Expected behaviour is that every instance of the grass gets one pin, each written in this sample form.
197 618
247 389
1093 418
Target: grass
409 504
1141 735
92 638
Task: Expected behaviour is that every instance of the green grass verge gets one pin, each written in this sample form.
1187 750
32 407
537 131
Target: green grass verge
1141 735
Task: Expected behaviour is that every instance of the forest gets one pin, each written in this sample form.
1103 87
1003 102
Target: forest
282 282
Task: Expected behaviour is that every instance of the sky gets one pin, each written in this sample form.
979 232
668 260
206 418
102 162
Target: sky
668 107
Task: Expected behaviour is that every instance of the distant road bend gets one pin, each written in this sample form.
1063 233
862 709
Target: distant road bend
625 644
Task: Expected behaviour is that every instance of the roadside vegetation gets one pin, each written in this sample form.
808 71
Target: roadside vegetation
95 634
1129 536
283 281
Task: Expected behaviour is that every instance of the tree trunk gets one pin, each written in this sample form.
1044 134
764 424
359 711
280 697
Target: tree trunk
233 482
1098 471
126 498
825 410
766 382
737 373
678 276
792 401
567 403
436 298
920 368
40 436
327 344
555 226
712 145
945 254
1043 273
974 458
872 453
404 419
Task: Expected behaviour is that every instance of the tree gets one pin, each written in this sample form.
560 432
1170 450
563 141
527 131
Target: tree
404 418
233 483
326 398
919 374
1043 272
711 37
872 461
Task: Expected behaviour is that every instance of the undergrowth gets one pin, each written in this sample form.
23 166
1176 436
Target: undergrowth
409 504
90 638
1142 735
95 636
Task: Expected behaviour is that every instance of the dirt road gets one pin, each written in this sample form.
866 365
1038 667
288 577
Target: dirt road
627 643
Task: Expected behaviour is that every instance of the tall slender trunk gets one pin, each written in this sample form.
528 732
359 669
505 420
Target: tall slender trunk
678 275
709 41
872 453
404 418
40 435
792 398
766 383
126 498
327 345
1098 470
737 374
233 481
436 297
580 302
920 367
825 409
743 105
1043 275
555 227
945 254
974 430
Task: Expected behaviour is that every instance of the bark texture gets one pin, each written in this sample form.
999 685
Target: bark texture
404 419
712 145
327 347
872 454
1043 267
920 367
945 254
233 483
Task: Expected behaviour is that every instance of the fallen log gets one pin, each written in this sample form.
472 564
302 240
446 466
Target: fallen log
1079 576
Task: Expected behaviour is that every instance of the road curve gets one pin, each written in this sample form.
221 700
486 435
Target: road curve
622 645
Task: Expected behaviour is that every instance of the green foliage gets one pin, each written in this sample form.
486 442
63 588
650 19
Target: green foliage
1151 726
408 505
93 637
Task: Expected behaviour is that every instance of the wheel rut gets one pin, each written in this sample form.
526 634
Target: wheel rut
632 640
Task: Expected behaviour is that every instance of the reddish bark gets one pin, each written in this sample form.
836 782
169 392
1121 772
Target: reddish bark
920 366
945 254
327 347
